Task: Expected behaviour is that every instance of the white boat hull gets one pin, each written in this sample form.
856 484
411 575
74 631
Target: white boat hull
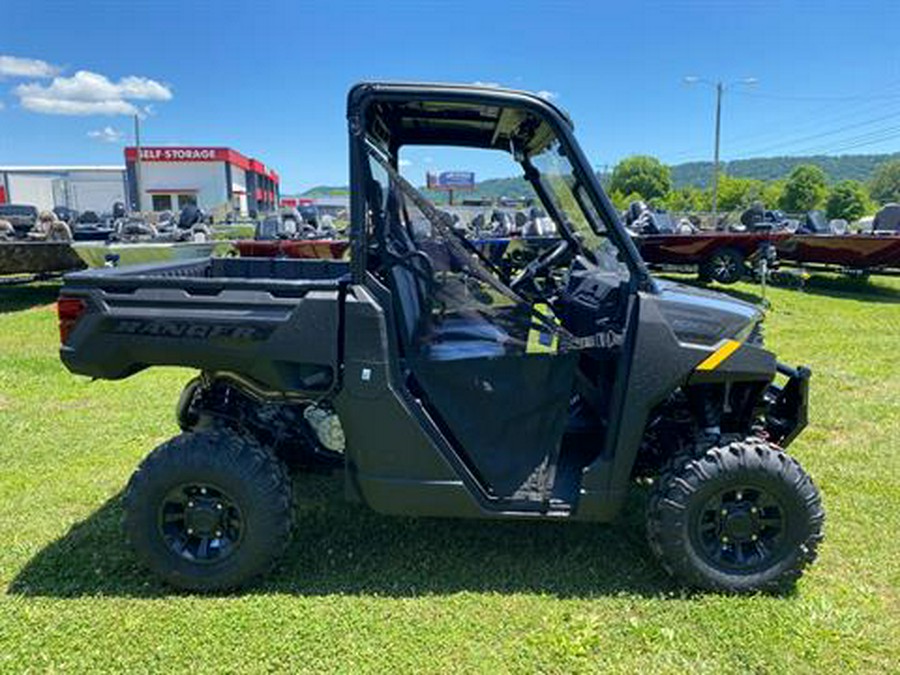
101 254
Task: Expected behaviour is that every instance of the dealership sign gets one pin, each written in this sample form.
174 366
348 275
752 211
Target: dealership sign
451 180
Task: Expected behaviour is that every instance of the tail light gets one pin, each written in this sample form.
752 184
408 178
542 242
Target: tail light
69 311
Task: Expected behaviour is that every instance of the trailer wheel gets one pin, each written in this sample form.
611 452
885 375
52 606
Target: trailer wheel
209 510
742 518
726 266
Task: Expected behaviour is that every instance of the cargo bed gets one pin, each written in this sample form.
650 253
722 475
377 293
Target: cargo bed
266 321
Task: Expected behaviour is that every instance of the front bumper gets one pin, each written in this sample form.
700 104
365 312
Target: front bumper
787 405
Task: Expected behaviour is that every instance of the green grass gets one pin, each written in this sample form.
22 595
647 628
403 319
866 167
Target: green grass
359 592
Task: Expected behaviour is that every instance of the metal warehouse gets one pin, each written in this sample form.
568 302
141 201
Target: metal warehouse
83 188
168 178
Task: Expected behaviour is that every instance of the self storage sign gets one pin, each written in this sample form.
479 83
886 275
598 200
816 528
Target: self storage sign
180 154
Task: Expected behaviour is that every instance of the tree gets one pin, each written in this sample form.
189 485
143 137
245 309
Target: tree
804 190
622 201
771 193
737 193
885 185
643 175
688 199
847 200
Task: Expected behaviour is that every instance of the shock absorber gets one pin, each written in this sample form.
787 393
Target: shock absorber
706 402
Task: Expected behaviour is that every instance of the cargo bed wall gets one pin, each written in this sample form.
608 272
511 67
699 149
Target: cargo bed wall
275 325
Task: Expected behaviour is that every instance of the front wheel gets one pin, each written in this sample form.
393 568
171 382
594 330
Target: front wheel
743 517
209 510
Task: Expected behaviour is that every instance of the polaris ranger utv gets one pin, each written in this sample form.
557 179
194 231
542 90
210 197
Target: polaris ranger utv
441 385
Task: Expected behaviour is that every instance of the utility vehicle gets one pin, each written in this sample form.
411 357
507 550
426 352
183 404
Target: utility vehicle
437 385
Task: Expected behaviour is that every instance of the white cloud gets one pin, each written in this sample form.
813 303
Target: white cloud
2 105
549 95
405 163
107 135
14 66
479 83
87 93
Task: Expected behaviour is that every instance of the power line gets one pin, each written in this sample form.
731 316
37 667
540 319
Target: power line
839 130
791 97
812 122
809 123
870 138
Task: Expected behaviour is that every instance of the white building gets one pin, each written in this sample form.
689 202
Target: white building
83 188
210 177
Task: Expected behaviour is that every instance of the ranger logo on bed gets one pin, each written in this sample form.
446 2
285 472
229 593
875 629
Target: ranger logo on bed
190 329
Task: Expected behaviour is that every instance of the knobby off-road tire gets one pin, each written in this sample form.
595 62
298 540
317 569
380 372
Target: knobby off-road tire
740 518
727 266
209 510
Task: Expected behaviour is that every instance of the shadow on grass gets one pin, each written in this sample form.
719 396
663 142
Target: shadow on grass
18 298
861 289
852 288
342 548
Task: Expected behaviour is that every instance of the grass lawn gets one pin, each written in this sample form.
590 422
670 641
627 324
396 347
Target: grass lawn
359 592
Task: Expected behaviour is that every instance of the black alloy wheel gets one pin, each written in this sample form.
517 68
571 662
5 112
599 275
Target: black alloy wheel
740 518
740 528
209 510
200 523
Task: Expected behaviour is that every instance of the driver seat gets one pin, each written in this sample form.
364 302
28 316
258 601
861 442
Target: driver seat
446 340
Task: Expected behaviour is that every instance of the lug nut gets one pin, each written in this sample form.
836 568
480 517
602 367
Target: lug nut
753 509
218 533
219 507
190 505
202 491
739 496
724 540
724 512
190 530
753 537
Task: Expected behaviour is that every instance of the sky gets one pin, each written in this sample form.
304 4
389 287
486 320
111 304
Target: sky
270 79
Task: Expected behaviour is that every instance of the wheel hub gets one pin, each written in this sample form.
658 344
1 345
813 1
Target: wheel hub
739 524
740 529
204 518
200 523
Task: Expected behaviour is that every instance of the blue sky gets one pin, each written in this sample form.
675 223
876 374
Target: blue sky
269 79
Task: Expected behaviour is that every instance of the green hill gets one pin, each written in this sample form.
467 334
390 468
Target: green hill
326 191
858 167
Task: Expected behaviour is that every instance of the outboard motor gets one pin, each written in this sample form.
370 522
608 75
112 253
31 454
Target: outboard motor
887 219
814 223
118 210
190 215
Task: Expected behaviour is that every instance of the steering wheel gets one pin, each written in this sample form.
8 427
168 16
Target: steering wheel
539 265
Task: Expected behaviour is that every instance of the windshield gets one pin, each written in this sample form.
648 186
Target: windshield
572 203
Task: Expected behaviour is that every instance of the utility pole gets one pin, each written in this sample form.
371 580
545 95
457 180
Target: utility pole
720 88
138 166
715 177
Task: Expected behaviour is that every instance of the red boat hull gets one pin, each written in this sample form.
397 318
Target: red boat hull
859 251
287 248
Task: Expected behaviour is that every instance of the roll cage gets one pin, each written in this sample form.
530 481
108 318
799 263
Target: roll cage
392 116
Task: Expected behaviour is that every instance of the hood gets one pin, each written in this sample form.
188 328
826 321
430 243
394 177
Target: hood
705 317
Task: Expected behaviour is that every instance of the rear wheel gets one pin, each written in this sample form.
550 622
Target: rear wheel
209 510
726 266
744 517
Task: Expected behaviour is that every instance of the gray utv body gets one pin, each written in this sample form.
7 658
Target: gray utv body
453 423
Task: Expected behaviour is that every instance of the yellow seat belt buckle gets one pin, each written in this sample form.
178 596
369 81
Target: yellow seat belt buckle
540 339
